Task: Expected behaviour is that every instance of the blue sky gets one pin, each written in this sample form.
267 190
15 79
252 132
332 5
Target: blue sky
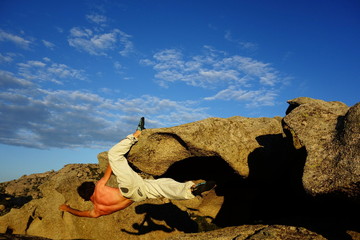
75 76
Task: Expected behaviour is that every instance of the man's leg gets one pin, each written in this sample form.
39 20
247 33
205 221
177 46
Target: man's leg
169 188
130 183
134 187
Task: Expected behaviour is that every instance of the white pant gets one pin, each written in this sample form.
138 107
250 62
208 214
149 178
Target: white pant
136 188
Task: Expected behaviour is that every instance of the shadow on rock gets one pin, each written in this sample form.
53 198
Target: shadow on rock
174 218
9 202
272 193
275 178
229 184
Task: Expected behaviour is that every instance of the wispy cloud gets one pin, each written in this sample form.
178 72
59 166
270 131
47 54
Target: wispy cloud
5 58
48 44
243 44
46 70
19 41
9 81
233 77
35 117
100 42
97 18
255 98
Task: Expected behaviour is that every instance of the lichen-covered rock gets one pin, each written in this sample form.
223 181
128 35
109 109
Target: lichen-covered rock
330 133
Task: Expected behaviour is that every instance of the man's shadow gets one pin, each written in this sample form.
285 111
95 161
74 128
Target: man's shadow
194 168
174 218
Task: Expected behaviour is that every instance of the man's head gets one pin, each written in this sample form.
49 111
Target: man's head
86 190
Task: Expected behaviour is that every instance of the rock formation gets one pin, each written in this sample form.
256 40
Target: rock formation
277 178
231 139
330 132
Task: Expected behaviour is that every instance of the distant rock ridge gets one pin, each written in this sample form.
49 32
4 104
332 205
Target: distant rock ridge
277 178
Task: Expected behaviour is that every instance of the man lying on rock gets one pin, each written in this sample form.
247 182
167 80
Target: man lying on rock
132 187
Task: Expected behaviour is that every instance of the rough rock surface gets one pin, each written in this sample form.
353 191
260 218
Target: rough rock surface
41 217
26 185
330 133
16 193
259 175
231 139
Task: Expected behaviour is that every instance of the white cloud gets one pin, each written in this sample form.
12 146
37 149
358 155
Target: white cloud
31 63
104 41
118 65
146 62
47 70
119 68
5 59
48 44
78 32
64 71
42 118
100 43
233 77
8 80
97 18
255 98
211 69
128 45
4 36
243 44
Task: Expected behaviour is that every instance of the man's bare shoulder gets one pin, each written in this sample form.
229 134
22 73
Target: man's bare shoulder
101 182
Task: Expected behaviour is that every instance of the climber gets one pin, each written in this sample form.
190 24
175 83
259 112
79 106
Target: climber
132 187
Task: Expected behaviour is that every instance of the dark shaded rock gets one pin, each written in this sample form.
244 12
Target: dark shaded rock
8 202
20 237
254 232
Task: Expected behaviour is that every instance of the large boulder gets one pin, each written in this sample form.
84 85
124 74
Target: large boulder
330 133
231 139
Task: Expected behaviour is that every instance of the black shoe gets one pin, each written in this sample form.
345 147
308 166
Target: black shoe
199 188
141 125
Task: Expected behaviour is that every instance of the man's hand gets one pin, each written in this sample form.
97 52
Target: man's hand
137 133
64 207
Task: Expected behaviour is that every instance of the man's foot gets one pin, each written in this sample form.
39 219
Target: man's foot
141 125
199 188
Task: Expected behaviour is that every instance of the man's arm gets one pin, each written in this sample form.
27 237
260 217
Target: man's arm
106 176
88 213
